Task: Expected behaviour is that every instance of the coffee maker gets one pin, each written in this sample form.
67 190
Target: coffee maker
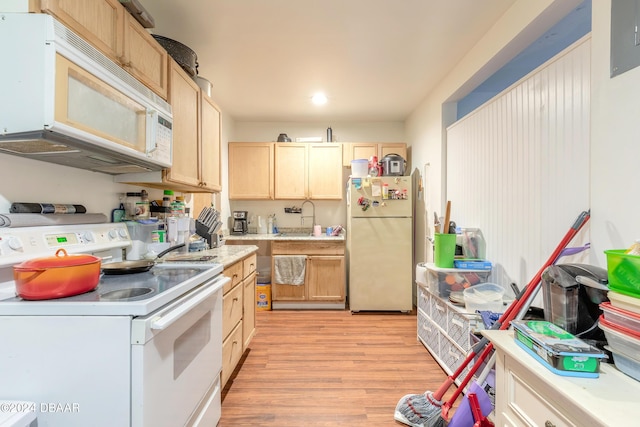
572 294
240 225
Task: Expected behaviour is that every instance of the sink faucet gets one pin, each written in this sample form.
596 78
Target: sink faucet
307 216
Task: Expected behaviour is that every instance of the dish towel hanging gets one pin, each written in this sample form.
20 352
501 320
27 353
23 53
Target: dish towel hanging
289 269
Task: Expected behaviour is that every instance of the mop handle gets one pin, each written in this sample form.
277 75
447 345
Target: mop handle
508 315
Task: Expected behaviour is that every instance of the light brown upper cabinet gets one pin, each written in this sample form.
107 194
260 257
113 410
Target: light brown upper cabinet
184 97
364 150
196 136
251 170
308 171
143 57
113 31
195 163
209 156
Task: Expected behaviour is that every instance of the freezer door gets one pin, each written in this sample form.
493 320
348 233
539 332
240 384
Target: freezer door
381 264
367 201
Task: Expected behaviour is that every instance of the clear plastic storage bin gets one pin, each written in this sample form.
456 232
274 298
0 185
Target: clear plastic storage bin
620 339
443 281
621 317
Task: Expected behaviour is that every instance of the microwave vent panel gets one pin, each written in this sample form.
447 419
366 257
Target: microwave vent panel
34 147
115 71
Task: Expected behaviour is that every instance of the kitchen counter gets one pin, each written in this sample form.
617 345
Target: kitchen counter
229 254
285 236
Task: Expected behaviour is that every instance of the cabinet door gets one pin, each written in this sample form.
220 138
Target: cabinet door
399 148
288 292
325 171
326 278
184 97
143 57
249 312
210 145
100 22
251 170
291 171
358 150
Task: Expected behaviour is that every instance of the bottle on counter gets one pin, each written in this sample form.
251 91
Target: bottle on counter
167 198
130 201
143 208
373 166
182 205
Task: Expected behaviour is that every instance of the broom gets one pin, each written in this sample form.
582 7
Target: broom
428 409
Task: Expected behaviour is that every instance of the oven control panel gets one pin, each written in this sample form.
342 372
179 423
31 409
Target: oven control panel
23 243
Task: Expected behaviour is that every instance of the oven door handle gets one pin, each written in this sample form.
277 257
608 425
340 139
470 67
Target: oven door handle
164 322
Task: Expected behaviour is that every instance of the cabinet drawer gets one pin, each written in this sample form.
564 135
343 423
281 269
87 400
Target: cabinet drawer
249 265
529 407
231 310
231 352
307 248
233 272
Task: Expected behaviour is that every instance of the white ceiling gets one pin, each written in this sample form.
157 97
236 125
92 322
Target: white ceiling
376 60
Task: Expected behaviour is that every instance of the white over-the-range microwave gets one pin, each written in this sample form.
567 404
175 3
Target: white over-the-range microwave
64 102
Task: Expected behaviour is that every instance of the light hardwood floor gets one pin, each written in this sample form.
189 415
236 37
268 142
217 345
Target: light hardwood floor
328 368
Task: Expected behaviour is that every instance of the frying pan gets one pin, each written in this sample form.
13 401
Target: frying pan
139 266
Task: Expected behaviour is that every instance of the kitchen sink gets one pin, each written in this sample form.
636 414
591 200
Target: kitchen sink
295 235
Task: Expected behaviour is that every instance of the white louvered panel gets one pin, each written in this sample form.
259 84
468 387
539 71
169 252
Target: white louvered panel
518 167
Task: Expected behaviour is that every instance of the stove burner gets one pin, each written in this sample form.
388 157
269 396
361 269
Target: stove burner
122 294
191 258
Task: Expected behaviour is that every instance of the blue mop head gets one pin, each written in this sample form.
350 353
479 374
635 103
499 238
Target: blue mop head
419 410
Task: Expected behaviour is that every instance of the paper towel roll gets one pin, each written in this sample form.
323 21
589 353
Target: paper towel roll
421 273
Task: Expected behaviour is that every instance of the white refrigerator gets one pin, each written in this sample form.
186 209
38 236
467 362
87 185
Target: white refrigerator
380 243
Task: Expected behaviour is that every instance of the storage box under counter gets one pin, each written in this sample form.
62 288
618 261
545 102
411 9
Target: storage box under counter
443 281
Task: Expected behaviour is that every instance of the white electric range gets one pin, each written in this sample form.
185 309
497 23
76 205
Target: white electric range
142 349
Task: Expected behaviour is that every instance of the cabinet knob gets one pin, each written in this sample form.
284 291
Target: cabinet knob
549 424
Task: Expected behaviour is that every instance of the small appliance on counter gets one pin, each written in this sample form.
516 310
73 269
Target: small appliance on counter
572 294
240 223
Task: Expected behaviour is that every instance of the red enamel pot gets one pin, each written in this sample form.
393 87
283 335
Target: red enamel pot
57 276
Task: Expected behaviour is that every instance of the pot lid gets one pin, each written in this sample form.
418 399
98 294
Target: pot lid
392 156
61 259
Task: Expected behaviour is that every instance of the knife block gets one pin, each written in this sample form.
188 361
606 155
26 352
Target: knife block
214 240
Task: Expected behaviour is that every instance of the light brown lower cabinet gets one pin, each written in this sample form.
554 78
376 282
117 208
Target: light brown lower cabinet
239 313
325 275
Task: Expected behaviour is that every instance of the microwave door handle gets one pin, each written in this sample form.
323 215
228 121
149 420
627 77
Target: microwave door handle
164 322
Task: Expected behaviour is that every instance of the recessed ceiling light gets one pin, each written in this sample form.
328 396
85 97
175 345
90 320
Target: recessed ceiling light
319 98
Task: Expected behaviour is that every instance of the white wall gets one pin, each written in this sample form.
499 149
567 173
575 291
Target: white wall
328 213
26 180
425 128
615 151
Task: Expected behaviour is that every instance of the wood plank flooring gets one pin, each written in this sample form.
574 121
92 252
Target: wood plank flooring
328 368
